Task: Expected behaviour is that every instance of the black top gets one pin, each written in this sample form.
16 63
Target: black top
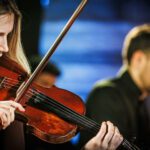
117 100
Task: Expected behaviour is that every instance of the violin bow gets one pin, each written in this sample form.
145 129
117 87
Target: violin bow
52 49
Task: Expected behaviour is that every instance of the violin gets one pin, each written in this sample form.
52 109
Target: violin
52 114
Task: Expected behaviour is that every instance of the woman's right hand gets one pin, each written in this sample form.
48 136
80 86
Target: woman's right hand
7 112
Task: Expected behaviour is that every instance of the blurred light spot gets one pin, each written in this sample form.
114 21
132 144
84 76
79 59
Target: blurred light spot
45 3
75 139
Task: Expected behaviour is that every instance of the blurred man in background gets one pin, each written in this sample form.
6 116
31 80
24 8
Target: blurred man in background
48 76
120 100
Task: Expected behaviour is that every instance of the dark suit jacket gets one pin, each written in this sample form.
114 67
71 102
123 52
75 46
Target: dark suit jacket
116 100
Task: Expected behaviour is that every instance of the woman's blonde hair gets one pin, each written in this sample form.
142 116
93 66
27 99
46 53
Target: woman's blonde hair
15 52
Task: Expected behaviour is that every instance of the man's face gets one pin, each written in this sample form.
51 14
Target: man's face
6 27
145 73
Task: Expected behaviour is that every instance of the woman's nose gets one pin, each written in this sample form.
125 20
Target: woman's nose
4 45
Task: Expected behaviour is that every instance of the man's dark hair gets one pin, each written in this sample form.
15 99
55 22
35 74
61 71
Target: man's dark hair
50 67
137 39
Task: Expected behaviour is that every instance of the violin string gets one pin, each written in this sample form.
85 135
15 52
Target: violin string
13 80
97 128
131 147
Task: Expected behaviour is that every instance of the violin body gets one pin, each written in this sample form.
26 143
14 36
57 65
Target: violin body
43 123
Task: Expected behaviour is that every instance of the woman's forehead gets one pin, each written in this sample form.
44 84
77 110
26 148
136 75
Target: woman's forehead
7 17
7 22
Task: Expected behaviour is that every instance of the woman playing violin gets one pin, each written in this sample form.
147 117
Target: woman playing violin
11 49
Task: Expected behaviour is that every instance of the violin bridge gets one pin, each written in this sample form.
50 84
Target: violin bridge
2 82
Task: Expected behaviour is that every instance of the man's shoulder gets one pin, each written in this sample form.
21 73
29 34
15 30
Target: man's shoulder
106 91
112 83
